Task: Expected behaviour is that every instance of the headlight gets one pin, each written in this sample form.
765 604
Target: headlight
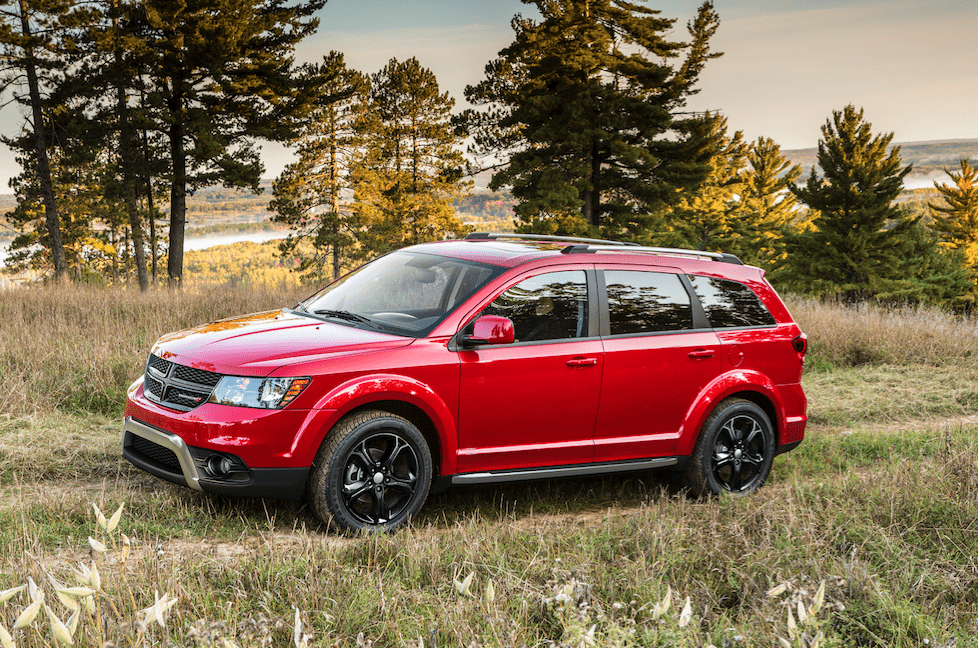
264 393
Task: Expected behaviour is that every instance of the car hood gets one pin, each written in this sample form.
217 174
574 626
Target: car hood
256 345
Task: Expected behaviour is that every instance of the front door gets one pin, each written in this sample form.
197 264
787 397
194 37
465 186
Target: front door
534 402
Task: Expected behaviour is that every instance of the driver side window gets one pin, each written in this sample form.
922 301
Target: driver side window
550 306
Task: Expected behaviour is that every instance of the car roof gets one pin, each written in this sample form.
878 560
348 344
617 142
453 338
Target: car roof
511 250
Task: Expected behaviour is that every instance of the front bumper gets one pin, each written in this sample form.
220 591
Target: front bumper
168 457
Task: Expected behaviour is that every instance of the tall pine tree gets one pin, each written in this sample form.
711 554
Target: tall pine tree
855 248
410 169
583 115
223 77
29 34
307 196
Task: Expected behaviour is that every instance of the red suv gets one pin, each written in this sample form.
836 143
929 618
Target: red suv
493 359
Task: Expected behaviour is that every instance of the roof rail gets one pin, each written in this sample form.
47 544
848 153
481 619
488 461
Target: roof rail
715 256
482 236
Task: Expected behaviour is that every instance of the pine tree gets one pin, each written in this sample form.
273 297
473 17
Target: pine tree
767 207
582 114
957 218
410 170
29 31
307 194
855 248
704 218
222 77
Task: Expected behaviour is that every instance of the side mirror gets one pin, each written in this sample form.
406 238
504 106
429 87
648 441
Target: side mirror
490 329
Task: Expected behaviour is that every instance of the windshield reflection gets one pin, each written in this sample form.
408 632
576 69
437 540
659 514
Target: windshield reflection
406 293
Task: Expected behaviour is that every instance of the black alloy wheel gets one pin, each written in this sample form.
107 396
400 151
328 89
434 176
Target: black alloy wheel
372 472
380 478
735 450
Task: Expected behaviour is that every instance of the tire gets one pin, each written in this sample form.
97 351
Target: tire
734 452
372 472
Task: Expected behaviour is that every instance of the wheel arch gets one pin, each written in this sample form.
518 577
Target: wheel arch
750 386
405 397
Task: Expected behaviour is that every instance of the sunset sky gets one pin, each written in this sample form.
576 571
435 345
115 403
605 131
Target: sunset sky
787 63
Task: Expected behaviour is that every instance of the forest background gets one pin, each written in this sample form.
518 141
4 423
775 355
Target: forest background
581 123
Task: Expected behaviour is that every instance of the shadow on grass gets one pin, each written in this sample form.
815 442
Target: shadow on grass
225 515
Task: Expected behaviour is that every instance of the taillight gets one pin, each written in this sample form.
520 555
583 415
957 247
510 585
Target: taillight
800 344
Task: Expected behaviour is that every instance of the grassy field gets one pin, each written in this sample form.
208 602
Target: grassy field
863 536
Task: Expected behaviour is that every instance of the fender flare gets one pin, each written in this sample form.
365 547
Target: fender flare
363 390
725 386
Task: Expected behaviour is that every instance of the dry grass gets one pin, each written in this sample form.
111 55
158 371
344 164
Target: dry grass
885 518
887 523
845 336
77 348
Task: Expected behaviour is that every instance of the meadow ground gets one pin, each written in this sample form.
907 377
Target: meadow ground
863 536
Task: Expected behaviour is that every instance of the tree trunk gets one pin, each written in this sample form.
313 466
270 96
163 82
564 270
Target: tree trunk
178 193
335 196
150 211
51 217
128 152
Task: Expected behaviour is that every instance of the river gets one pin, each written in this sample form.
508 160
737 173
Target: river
201 243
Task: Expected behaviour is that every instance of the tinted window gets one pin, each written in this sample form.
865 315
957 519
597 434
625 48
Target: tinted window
644 302
546 307
729 303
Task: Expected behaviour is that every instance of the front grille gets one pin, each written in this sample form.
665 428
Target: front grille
158 363
176 386
155 453
199 376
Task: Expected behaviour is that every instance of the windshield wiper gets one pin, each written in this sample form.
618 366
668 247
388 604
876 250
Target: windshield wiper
345 315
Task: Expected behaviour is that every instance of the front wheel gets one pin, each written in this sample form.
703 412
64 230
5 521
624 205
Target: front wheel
734 452
373 471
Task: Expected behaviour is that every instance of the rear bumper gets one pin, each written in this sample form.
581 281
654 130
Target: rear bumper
168 457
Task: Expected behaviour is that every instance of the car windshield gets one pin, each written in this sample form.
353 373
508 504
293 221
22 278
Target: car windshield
404 293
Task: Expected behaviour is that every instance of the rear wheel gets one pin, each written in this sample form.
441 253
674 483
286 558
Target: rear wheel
373 471
734 452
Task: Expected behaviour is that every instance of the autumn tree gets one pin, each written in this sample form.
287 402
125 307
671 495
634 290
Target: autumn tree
956 219
307 196
410 168
583 115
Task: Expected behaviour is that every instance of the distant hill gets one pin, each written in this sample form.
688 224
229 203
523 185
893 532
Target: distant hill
928 158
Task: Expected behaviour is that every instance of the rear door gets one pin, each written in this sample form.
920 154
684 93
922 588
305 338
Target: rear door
659 357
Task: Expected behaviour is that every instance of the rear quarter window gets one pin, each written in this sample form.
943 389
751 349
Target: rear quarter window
730 304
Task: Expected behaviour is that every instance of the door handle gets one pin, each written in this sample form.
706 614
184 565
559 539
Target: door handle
582 362
702 353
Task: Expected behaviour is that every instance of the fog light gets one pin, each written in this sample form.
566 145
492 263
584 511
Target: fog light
218 466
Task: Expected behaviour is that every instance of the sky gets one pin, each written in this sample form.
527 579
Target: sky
787 64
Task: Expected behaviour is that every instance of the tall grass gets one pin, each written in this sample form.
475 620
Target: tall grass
888 524
841 335
886 521
76 348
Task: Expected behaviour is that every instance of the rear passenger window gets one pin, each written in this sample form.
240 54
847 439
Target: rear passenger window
646 302
730 304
